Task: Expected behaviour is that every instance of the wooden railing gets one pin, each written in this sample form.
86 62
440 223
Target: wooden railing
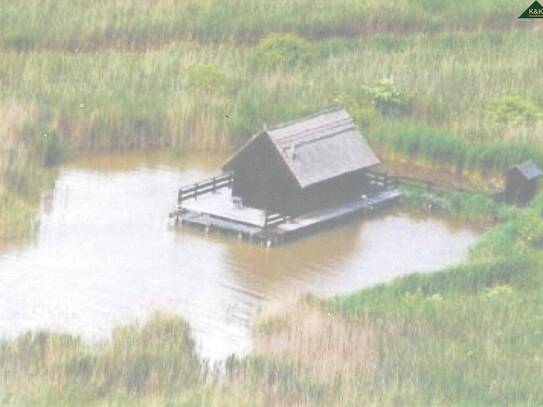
274 219
203 187
378 180
383 180
429 185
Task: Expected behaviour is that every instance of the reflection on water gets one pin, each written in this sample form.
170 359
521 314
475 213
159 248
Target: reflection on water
106 255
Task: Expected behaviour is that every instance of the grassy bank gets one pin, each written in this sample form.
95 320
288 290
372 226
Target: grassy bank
24 155
490 154
139 361
16 215
151 364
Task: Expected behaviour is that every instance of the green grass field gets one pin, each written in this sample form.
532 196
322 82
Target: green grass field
441 82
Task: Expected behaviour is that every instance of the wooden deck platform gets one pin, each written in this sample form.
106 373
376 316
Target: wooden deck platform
216 213
220 205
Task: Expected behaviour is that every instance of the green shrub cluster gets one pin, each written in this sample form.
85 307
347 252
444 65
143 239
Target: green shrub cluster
286 50
207 77
387 98
529 225
515 110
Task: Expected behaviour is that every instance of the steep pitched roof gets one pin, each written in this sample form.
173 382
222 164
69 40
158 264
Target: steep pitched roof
318 147
528 169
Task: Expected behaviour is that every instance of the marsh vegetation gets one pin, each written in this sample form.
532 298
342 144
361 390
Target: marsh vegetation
441 82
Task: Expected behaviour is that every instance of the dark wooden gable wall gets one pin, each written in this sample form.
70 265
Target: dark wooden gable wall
262 179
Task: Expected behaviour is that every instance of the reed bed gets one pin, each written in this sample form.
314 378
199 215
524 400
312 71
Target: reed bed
22 176
17 214
125 99
87 25
473 208
138 361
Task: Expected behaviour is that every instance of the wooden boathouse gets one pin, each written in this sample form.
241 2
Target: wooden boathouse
289 180
316 162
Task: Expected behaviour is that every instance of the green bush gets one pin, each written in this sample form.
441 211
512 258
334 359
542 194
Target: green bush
530 227
284 49
515 110
362 110
387 97
206 77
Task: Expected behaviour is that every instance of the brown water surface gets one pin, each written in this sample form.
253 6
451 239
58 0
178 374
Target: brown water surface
106 254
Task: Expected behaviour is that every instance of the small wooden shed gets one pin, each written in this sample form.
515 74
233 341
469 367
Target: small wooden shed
522 183
317 161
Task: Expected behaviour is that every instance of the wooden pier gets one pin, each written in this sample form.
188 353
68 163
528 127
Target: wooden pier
211 209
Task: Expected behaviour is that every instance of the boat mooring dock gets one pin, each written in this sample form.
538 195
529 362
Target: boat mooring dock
214 211
291 229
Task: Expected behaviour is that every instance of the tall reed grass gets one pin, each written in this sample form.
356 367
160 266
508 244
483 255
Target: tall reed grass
125 99
492 154
129 24
22 175
139 361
